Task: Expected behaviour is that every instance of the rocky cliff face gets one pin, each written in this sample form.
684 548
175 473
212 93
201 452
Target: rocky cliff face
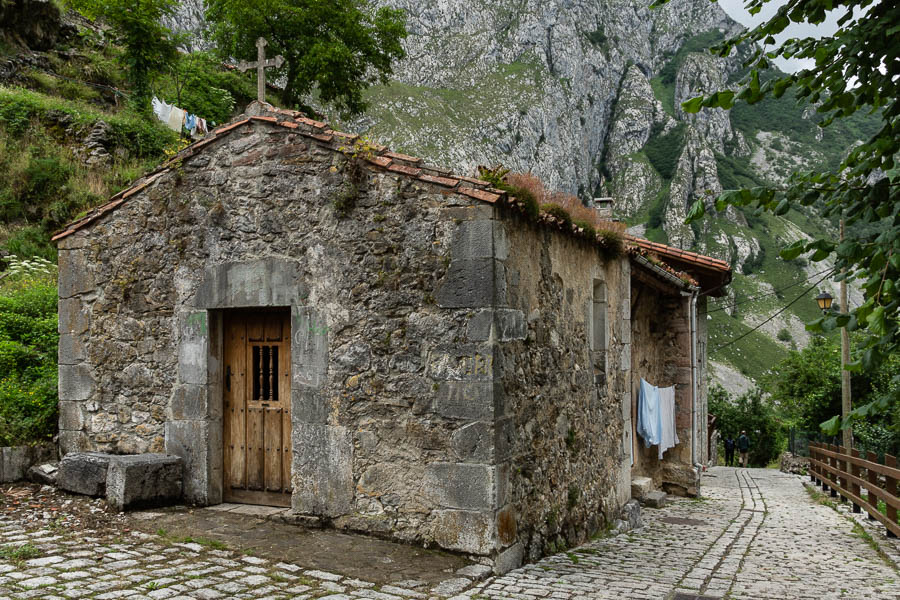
586 94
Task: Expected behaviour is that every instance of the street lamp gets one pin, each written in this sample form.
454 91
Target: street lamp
824 301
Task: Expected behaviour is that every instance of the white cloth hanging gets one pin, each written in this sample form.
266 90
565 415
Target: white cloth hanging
668 436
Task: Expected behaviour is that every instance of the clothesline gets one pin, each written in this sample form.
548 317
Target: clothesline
177 119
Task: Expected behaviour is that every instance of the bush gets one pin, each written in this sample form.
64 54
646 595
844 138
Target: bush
28 352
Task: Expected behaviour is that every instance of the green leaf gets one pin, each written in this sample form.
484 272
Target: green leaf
793 251
693 105
696 212
832 426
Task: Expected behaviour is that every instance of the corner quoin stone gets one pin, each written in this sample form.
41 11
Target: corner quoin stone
462 486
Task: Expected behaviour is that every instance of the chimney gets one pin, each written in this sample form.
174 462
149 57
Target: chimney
604 207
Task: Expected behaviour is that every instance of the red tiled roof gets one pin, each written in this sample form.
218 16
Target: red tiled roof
686 256
402 164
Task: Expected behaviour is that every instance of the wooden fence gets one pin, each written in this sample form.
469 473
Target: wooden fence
846 473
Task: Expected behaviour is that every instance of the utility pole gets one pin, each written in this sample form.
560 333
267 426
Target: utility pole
845 359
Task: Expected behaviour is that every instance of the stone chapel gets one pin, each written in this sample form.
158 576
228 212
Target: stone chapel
325 325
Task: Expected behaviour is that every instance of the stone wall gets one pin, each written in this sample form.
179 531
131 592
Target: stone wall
661 355
567 461
392 287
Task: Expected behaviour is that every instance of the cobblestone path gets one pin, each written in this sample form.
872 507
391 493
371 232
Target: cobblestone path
755 534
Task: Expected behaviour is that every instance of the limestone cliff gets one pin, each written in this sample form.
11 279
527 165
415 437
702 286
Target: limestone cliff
586 94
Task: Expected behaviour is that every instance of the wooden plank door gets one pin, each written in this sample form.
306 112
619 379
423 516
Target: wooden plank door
257 403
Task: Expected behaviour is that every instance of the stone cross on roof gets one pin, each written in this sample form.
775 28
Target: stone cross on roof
260 64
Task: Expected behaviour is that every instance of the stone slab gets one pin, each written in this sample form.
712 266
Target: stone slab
83 473
140 480
44 474
655 499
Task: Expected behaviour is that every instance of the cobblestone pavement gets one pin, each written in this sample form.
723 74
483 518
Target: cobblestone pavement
755 534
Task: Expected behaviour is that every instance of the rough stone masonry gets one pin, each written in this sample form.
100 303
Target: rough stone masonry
460 375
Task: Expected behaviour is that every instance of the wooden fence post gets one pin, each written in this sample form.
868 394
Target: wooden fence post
842 467
856 471
891 487
872 478
825 462
833 463
812 467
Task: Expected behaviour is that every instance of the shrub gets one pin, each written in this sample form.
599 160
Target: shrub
28 352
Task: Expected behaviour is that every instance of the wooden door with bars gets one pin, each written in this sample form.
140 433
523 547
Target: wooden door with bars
257 403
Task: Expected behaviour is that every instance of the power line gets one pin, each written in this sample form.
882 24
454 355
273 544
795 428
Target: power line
772 293
781 310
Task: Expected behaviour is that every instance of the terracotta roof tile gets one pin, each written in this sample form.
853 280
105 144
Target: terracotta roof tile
224 128
350 137
403 157
398 168
445 181
322 137
288 124
381 161
479 183
264 118
312 123
479 194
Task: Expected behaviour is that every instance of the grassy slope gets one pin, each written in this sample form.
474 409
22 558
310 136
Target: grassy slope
45 118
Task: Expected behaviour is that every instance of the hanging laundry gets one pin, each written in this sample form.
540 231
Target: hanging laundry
648 413
176 119
656 416
161 109
190 122
201 126
668 436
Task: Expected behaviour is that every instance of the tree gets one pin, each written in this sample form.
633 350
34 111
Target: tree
137 27
857 68
752 413
336 48
806 386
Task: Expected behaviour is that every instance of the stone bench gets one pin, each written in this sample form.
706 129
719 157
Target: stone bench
127 481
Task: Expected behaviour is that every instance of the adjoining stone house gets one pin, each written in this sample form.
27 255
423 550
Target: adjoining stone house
314 322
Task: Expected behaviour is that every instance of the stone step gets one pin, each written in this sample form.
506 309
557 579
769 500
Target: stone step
655 499
641 486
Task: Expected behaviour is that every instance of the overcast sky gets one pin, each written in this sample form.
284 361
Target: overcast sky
735 9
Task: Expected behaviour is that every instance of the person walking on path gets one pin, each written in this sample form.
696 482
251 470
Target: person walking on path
743 444
729 451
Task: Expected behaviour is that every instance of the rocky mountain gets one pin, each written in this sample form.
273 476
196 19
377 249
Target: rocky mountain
586 94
